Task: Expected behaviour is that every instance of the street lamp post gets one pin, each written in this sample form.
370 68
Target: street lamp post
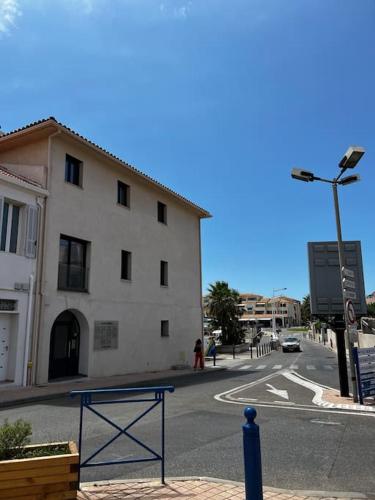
273 309
350 160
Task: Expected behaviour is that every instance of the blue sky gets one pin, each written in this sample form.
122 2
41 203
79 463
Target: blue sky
218 100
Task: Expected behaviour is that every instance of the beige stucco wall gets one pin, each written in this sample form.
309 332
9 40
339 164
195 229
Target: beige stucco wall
29 160
92 214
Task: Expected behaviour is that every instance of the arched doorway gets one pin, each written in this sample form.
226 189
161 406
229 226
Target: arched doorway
64 346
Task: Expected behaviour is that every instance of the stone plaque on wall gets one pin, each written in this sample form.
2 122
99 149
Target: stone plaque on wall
105 335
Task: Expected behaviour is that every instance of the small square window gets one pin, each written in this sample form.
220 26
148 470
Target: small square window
162 212
73 170
164 328
123 194
126 258
163 273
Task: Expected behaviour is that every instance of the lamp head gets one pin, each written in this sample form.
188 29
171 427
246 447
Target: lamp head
349 180
352 157
302 175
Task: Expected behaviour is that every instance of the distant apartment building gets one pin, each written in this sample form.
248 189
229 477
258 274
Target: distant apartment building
258 310
118 281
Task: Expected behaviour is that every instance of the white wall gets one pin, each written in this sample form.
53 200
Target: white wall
92 214
16 268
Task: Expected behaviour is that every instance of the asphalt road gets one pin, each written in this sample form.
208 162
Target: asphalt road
303 446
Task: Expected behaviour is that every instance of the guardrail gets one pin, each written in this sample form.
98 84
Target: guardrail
89 401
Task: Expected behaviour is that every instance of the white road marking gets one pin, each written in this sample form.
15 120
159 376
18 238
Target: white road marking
327 367
325 422
310 367
245 367
293 367
261 367
278 392
277 367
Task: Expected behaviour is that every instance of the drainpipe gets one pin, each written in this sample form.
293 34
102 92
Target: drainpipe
39 293
28 330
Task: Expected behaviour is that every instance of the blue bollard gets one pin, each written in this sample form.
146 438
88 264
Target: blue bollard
252 457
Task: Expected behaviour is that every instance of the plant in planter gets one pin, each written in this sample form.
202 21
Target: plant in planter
38 470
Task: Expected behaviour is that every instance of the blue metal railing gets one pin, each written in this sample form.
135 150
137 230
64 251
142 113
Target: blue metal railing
88 401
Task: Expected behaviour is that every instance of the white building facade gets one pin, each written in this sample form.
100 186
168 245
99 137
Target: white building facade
19 206
119 288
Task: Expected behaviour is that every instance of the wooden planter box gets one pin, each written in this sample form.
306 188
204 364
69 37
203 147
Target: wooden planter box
52 477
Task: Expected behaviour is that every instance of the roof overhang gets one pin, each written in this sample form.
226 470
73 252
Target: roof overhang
49 126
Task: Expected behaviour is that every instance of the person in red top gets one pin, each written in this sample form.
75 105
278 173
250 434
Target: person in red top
198 354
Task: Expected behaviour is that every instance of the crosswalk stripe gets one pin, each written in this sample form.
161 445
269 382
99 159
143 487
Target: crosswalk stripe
328 367
310 367
293 367
245 367
261 367
277 367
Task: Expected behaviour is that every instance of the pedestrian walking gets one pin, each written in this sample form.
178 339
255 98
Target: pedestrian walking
198 354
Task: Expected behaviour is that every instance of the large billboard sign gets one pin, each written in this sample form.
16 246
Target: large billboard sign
325 278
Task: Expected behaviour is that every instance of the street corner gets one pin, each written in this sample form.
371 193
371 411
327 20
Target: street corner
331 398
290 390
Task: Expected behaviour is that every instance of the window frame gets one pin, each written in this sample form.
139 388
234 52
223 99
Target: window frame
10 224
84 267
126 189
69 177
126 266
164 281
162 213
164 328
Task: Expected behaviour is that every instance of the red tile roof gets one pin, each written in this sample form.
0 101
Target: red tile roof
6 172
52 120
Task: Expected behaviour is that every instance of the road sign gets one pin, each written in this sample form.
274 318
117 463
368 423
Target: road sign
348 283
326 285
353 334
350 295
350 312
347 272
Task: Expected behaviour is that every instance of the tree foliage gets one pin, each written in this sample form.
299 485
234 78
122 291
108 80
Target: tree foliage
223 309
305 310
371 310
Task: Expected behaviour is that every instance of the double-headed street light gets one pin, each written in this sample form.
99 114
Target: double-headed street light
273 309
350 160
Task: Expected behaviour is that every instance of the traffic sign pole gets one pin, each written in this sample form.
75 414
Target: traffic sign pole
348 342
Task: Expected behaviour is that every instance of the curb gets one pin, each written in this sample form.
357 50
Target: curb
302 493
141 382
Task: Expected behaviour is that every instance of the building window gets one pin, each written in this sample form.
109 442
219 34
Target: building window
126 258
123 194
164 328
10 228
73 170
162 212
73 271
163 273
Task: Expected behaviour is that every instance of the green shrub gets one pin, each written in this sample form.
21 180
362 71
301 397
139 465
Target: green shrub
13 439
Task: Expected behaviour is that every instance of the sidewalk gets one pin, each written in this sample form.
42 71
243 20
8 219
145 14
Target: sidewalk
198 488
12 395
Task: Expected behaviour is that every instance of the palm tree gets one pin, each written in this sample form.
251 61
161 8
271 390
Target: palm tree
305 310
225 313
